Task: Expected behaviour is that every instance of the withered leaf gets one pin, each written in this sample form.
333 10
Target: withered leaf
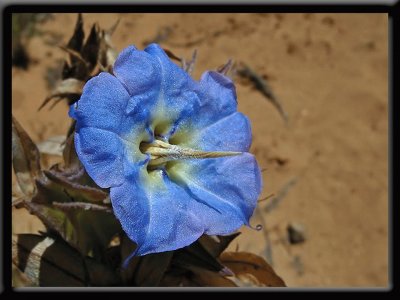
206 278
90 49
171 280
127 248
30 256
263 87
107 53
54 219
71 160
195 277
151 268
69 206
196 255
76 41
75 190
19 279
25 158
216 245
101 274
88 230
70 89
251 270
49 261
75 44
94 230
145 270
52 146
74 54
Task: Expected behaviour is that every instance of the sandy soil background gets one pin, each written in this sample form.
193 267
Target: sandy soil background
330 72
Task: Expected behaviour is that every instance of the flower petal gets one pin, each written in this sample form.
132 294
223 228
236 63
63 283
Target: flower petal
215 125
232 133
155 217
101 152
175 79
218 97
225 190
139 72
179 99
102 103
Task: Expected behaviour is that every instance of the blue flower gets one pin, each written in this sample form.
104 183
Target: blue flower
172 150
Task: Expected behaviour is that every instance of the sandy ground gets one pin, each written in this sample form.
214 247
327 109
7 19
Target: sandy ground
330 71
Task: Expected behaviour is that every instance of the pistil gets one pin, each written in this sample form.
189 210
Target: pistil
162 152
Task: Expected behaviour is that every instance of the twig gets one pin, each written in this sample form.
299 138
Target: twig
298 265
190 65
281 194
56 101
59 97
261 85
111 30
172 55
268 247
199 40
224 69
162 35
187 44
265 198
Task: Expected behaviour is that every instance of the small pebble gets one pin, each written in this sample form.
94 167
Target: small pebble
296 233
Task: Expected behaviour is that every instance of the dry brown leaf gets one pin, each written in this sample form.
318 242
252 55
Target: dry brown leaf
206 278
25 158
251 269
53 145
70 87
